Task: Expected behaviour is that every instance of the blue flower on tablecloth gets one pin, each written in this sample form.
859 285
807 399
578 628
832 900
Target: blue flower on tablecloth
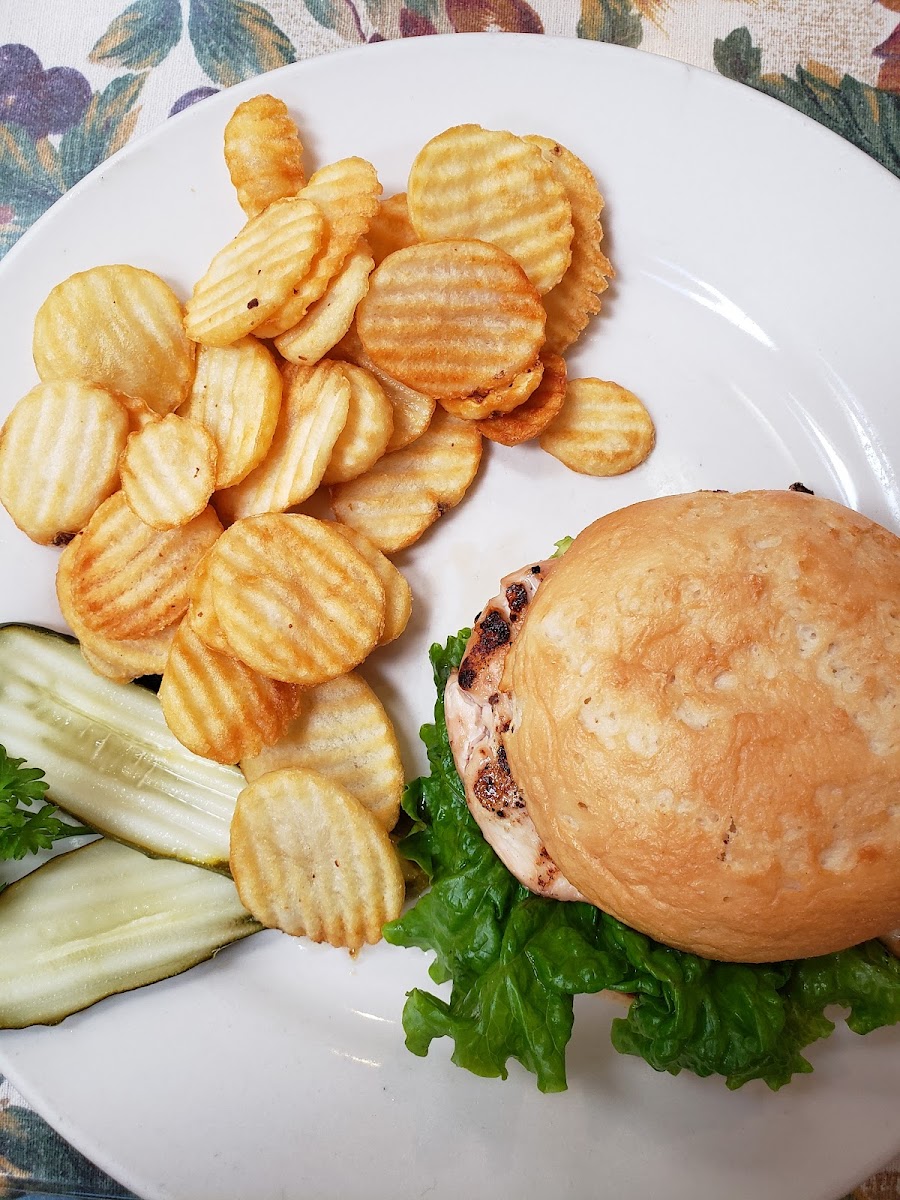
233 40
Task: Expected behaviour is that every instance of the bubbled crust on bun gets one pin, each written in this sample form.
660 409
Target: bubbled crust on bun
706 722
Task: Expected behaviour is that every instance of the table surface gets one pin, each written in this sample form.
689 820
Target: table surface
145 61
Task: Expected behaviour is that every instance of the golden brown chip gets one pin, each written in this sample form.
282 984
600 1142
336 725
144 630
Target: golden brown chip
129 580
470 182
139 412
412 410
307 858
121 660
347 194
367 432
251 278
576 298
169 471
391 228
201 613
531 418
343 732
601 429
263 153
295 599
120 328
451 318
218 707
498 400
237 397
313 413
328 319
397 592
59 457
406 491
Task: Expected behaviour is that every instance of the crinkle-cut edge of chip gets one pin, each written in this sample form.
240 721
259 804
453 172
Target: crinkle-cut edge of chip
398 601
530 419
498 401
96 621
219 327
249 876
577 295
563 446
472 373
256 648
130 479
547 193
246 736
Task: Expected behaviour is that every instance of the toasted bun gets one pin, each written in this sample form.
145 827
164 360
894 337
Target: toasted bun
706 722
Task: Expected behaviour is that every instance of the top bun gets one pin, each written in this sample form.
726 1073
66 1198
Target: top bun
705 707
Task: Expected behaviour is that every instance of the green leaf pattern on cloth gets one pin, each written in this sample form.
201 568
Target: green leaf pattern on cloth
140 37
236 40
611 21
869 117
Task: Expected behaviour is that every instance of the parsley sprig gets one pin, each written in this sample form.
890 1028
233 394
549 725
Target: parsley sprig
23 828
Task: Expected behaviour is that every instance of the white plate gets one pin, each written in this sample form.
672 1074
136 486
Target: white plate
755 312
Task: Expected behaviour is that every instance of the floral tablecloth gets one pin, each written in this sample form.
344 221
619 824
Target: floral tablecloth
81 78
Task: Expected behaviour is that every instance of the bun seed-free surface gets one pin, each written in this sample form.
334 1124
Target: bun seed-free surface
706 722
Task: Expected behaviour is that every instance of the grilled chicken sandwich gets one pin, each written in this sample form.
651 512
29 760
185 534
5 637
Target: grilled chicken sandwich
692 721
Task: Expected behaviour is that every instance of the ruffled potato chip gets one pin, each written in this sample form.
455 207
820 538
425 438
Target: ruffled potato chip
412 410
391 228
263 153
217 706
531 418
344 733
367 432
237 397
251 278
397 592
308 859
470 182
168 471
120 328
296 601
601 429
130 580
451 318
498 400
576 298
118 659
406 491
313 413
201 613
346 192
59 458
328 319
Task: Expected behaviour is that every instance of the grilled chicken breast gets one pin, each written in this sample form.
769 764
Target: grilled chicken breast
477 716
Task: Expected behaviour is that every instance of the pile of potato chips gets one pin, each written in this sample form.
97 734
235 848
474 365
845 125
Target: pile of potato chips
340 341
